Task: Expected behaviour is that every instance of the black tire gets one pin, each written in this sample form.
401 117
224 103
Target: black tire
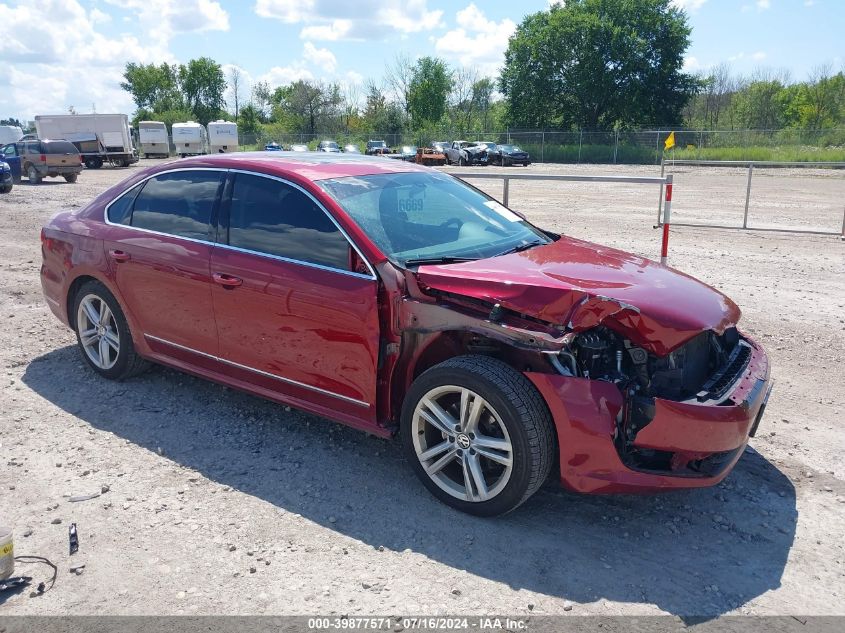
522 411
128 362
71 177
5 188
33 175
93 162
462 161
526 164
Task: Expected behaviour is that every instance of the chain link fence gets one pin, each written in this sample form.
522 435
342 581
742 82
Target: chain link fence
638 147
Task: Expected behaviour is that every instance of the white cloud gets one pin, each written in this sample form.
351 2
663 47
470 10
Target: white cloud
809 3
161 19
762 5
477 42
321 57
691 64
360 20
281 75
688 5
63 54
758 56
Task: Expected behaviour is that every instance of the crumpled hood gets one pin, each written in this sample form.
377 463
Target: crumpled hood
579 285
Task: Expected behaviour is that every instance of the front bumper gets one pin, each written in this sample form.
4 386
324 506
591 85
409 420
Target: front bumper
710 436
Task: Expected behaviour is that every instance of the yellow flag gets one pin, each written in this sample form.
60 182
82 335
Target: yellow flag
670 141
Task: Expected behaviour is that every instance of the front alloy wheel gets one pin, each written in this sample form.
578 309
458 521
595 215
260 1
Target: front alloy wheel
478 434
462 444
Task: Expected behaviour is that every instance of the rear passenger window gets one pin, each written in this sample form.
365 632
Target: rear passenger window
59 147
268 216
178 203
120 211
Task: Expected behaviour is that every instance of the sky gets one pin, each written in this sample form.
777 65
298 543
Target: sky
55 54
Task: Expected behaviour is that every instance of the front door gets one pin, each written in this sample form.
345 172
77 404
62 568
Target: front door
292 316
12 156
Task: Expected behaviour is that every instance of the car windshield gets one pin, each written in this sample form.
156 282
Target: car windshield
509 148
422 216
329 144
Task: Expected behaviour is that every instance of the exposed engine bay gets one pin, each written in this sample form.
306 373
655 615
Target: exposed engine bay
701 371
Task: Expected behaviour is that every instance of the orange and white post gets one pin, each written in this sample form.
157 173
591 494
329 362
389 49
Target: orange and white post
667 217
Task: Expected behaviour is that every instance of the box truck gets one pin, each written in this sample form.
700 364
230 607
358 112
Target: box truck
223 137
100 138
152 137
10 134
190 138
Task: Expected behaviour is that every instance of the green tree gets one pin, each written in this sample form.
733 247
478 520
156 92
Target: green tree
428 91
202 84
598 63
305 105
250 120
154 88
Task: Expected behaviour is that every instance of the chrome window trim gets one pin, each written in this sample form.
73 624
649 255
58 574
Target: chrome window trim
372 276
289 381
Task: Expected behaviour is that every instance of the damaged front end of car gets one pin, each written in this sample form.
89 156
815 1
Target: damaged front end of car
637 406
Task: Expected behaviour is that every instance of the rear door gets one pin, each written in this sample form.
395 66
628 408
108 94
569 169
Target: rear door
293 316
159 242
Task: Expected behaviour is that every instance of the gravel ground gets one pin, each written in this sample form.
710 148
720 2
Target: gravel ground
216 502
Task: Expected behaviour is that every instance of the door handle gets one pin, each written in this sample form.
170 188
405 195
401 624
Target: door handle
119 256
227 281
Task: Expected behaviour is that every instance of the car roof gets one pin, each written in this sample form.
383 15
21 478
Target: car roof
310 165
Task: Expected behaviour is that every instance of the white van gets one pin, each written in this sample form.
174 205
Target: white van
223 137
190 139
152 136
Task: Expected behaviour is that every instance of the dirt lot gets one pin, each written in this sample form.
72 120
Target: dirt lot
219 502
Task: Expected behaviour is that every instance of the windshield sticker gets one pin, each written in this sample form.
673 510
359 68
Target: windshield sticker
503 211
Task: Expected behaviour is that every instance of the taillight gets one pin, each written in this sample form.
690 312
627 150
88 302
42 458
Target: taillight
43 158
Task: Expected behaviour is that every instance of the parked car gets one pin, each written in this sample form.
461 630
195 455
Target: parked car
299 148
6 180
376 147
47 158
398 299
328 146
440 145
272 146
351 149
508 155
406 153
9 154
466 153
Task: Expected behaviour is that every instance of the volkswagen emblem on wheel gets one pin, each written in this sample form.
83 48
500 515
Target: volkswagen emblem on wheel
462 440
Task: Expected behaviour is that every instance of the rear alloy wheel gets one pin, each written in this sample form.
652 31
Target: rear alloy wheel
70 177
103 334
33 175
478 434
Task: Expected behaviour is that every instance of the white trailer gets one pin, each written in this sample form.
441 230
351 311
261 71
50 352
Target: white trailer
100 138
190 138
152 137
223 137
10 134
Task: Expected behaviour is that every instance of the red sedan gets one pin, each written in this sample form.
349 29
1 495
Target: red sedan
398 299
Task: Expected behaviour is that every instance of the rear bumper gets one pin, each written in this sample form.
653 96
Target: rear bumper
699 442
60 170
